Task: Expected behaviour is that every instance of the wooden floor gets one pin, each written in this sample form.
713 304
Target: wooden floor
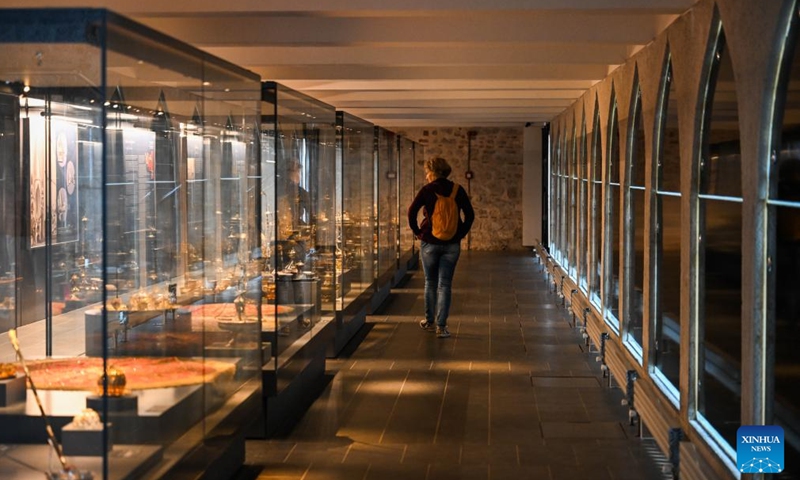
513 394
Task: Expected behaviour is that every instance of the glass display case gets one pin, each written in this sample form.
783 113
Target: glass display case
405 149
130 273
303 260
355 223
386 212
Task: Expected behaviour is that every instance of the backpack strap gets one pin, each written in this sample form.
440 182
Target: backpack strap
455 190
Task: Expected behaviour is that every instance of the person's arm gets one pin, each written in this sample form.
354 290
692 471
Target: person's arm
464 204
413 211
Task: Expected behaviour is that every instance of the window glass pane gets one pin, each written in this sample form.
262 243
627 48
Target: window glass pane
597 208
612 225
719 392
669 162
556 207
786 262
563 231
667 293
583 210
721 349
573 202
636 201
668 307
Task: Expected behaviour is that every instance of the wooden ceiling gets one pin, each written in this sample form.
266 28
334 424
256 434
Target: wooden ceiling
413 62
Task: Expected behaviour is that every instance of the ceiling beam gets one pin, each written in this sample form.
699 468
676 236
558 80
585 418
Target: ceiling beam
432 54
446 72
516 27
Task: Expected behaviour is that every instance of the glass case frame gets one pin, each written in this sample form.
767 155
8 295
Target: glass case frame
405 148
386 188
299 246
104 293
355 223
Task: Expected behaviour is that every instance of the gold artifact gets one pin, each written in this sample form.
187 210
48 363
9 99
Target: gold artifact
116 382
7 370
88 419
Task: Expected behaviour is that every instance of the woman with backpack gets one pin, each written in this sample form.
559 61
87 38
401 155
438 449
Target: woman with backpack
442 202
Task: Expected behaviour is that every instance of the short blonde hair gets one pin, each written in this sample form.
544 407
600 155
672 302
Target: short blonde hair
438 166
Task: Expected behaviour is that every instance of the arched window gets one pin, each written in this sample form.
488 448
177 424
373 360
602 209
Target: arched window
634 226
573 201
783 261
596 209
564 227
555 208
612 220
583 207
666 225
719 247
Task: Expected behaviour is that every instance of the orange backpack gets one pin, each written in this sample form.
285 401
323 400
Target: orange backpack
444 220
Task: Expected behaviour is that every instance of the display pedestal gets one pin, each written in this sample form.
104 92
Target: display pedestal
290 387
127 462
12 390
85 443
123 403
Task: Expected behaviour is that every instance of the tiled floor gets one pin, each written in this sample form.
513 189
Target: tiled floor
513 394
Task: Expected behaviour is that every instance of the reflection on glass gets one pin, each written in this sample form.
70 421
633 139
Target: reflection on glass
720 316
595 274
667 324
613 223
8 190
636 204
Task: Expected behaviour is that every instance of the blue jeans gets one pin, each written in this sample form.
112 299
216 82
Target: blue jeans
439 265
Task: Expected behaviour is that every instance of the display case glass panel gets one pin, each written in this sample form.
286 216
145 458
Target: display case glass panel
302 263
130 274
407 193
386 188
355 220
419 167
419 182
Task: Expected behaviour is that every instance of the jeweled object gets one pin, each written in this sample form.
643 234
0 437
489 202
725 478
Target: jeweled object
115 384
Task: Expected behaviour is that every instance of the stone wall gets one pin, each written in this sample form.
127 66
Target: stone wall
496 188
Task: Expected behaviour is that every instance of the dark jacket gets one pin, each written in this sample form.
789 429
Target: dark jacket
426 200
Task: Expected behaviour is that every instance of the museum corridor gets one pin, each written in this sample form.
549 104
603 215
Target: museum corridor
514 393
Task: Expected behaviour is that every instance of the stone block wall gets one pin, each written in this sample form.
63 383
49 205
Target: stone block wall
496 188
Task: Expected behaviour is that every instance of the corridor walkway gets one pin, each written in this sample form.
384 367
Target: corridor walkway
513 394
